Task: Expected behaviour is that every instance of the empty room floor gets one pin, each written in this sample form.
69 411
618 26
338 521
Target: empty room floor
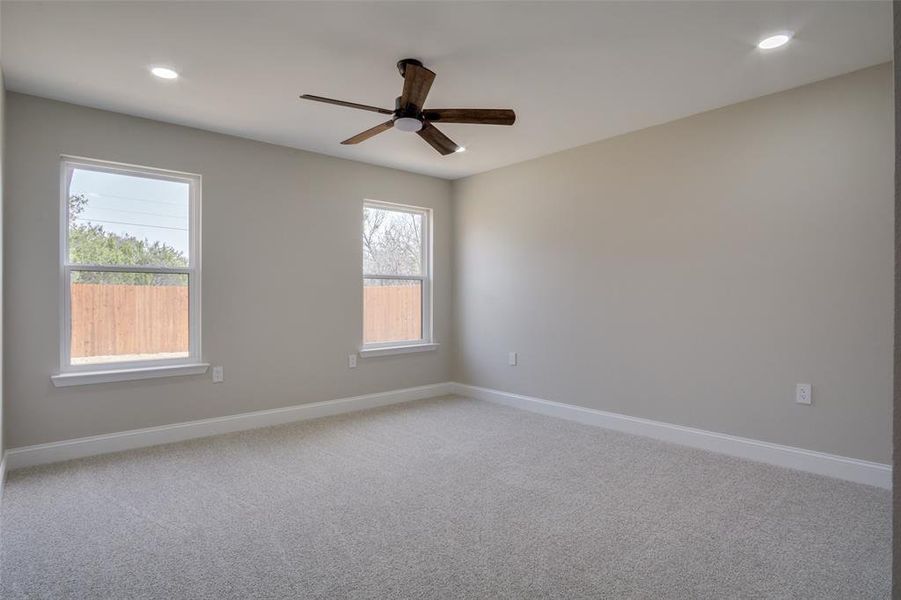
443 498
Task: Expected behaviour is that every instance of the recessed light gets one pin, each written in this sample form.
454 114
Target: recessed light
164 72
775 41
460 149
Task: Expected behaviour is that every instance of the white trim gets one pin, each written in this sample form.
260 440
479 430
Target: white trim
91 377
130 269
2 477
831 465
128 168
152 436
68 164
410 208
424 279
370 352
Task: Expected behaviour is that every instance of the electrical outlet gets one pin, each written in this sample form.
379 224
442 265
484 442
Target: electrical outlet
803 394
352 361
218 376
511 359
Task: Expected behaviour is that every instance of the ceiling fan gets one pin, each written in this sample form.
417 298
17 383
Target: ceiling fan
409 114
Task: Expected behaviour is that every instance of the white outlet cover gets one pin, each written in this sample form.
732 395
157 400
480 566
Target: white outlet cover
218 375
511 359
352 361
803 394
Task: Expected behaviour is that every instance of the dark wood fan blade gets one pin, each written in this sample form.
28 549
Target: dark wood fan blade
417 83
384 111
369 133
482 116
437 140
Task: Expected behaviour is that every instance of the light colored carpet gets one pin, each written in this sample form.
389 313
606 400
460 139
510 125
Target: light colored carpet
445 498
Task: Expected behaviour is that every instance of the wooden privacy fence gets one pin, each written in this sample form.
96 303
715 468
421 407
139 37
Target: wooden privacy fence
392 312
117 319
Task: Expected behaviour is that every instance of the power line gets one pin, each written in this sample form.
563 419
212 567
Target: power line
135 224
137 212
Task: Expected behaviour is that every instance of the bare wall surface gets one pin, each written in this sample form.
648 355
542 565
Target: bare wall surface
694 272
282 291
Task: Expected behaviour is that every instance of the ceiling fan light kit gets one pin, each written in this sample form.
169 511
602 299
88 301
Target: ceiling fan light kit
411 124
409 114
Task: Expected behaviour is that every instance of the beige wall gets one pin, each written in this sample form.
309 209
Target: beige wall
696 271
282 297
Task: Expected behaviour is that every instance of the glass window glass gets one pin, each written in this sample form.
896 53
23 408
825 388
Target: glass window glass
118 317
392 310
126 220
392 242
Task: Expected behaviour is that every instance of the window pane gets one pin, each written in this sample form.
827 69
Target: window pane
128 316
124 220
392 310
392 242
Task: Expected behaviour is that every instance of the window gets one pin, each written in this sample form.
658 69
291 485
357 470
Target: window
130 243
397 284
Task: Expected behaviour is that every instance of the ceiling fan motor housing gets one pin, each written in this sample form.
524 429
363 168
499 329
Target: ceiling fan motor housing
405 111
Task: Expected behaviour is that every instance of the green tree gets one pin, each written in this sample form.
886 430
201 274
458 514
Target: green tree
91 244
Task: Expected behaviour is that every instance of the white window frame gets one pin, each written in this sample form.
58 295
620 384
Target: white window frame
70 374
426 342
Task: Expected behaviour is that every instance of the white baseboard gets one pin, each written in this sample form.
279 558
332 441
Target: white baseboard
27 456
841 467
851 469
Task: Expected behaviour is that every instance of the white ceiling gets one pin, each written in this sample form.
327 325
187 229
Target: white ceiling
574 72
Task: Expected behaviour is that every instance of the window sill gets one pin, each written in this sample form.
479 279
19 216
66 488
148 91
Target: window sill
389 350
91 377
